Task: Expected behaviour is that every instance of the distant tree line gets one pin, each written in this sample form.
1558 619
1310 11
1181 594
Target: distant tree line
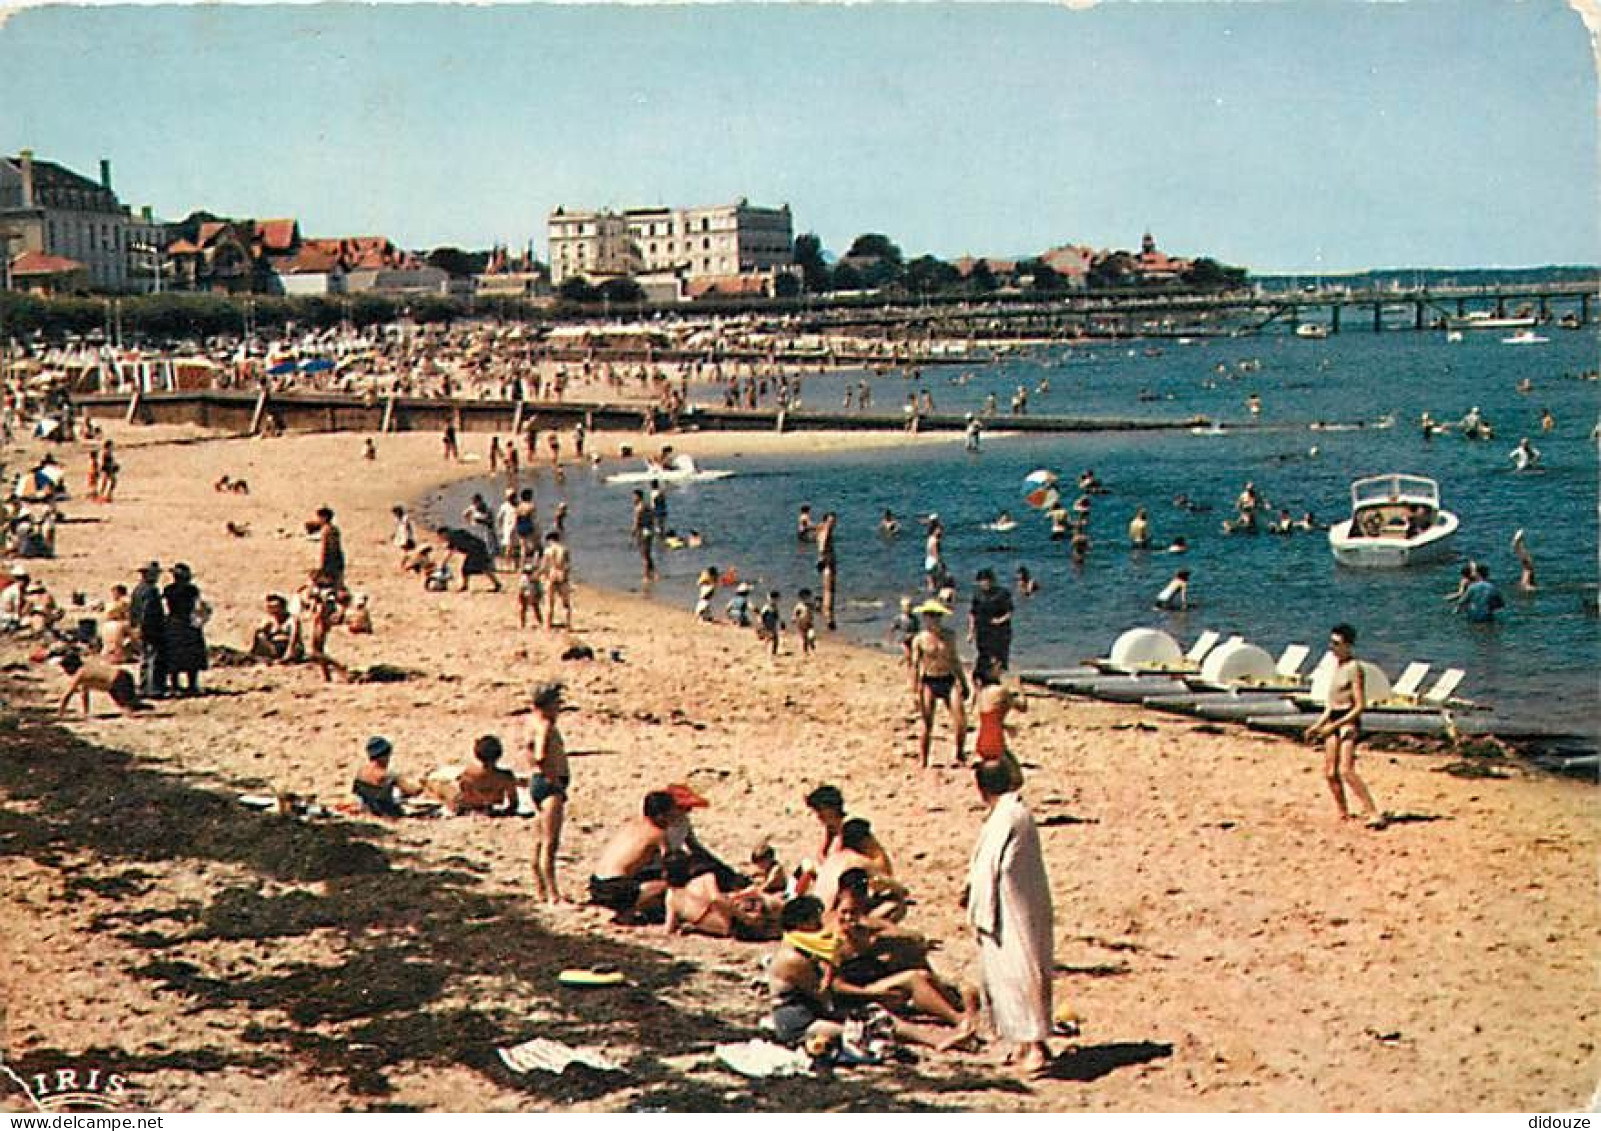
188 315
875 262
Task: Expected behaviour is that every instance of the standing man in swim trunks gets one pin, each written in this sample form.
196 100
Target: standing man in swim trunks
548 786
938 668
1340 727
827 565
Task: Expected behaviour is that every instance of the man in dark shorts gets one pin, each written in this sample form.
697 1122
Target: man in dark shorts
628 874
939 673
989 622
475 556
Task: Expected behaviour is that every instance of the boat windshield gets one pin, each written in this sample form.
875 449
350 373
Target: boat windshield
1395 489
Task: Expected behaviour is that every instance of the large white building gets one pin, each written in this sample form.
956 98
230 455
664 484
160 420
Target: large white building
715 240
47 209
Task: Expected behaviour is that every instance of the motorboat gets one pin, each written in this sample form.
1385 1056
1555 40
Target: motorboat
680 469
1487 320
1396 520
1315 330
1524 338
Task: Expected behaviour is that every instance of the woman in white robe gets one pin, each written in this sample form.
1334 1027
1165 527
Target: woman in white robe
1009 906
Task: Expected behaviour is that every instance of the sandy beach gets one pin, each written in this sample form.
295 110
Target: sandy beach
1228 943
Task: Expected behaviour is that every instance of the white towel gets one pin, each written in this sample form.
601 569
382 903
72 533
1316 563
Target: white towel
758 1058
543 1055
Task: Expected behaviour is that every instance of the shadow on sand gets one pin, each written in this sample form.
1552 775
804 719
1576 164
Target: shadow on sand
1094 1061
433 969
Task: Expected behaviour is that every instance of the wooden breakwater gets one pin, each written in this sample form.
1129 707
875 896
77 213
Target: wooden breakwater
248 412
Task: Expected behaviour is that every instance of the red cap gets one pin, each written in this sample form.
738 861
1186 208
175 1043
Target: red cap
686 798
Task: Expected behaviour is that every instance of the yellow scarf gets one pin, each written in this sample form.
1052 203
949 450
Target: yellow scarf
821 945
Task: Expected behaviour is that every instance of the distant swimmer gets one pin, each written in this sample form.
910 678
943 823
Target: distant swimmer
1474 426
1427 425
1139 530
1525 386
1003 523
1089 484
1175 595
1526 580
1524 457
1548 422
1253 404
1179 545
1185 503
889 525
1026 585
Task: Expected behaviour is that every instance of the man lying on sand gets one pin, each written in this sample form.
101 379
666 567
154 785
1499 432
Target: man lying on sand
484 787
695 905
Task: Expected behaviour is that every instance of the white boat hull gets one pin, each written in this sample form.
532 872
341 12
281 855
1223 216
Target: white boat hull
1433 545
667 476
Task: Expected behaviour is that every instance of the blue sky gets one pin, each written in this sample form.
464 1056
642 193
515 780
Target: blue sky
1310 135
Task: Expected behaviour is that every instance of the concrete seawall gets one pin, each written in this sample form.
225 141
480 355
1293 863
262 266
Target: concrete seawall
246 412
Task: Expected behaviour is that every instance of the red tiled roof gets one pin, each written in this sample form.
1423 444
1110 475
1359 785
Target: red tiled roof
38 264
210 230
182 247
277 235
308 260
1068 259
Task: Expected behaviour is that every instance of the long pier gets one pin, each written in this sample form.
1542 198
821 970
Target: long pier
1142 314
250 413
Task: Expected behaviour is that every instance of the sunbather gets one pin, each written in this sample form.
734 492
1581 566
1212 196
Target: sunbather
377 787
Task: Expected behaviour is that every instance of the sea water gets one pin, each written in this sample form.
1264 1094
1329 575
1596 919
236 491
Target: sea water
1331 411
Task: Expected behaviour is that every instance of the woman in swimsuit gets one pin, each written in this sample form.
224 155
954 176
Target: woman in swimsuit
994 701
548 787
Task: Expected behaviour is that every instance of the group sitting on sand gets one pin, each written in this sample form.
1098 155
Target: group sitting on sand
845 960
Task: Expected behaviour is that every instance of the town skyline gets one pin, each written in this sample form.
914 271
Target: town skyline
1467 143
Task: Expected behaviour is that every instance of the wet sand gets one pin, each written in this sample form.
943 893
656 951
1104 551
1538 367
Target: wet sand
1230 945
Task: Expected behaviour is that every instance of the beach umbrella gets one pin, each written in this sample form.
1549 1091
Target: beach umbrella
1043 498
281 368
1043 482
316 365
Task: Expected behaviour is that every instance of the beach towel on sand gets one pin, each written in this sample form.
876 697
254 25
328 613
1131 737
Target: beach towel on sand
758 1058
542 1055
